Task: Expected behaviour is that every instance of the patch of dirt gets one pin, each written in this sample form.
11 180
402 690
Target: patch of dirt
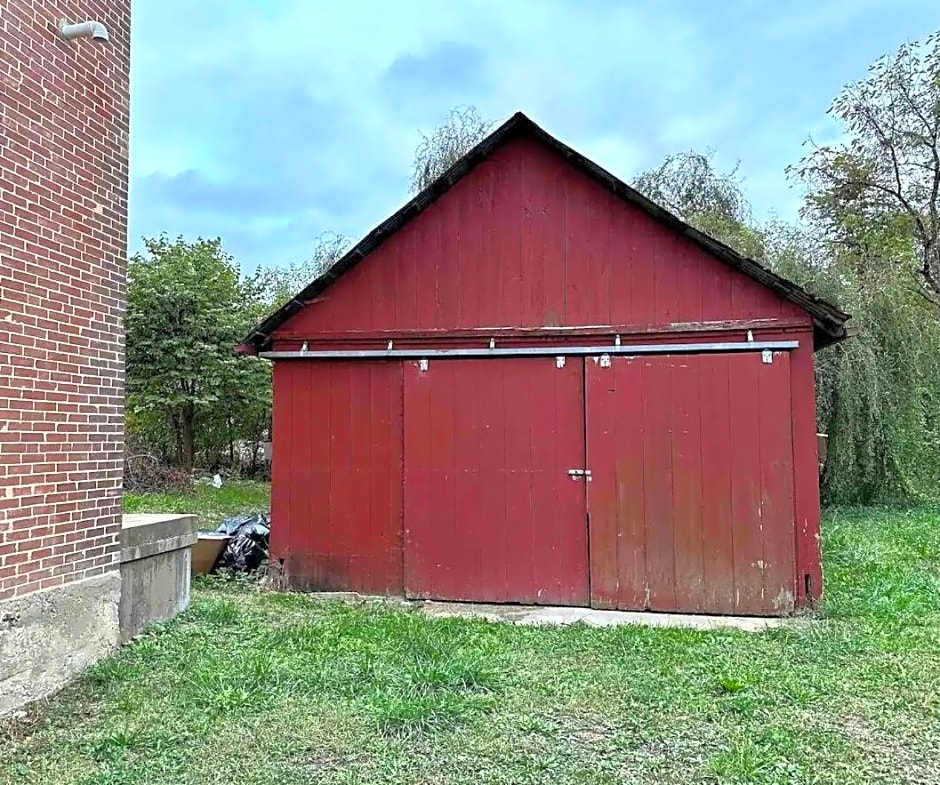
906 753
23 722
637 753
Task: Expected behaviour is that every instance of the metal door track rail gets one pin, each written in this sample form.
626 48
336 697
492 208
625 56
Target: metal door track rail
532 351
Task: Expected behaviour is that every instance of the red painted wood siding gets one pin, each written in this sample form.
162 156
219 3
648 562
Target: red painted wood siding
336 475
526 240
692 499
491 514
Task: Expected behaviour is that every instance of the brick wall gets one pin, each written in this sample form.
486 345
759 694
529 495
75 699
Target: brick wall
63 206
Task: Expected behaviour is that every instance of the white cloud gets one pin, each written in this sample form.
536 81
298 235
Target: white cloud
286 118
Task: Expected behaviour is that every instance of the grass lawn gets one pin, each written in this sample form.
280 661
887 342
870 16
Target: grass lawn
253 687
211 505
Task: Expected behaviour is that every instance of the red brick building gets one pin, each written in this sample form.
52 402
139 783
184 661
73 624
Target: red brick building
63 207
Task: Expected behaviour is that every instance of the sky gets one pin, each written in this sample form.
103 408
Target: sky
269 122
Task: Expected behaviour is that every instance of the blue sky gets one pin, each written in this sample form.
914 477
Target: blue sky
268 122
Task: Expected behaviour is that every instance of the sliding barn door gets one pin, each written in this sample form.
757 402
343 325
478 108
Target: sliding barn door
491 512
691 503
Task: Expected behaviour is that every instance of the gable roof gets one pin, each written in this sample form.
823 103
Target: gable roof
828 320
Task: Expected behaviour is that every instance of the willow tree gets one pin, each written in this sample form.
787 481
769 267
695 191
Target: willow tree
276 285
438 150
689 185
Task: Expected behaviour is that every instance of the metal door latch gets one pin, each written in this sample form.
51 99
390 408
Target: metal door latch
577 474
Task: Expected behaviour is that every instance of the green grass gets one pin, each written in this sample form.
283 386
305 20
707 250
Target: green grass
256 687
211 505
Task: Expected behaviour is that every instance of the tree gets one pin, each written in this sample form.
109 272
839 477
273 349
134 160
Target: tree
872 202
688 185
888 168
877 394
276 285
187 308
438 151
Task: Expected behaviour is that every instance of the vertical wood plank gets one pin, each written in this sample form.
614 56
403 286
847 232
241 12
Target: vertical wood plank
341 490
535 218
406 282
468 486
666 282
716 290
490 257
750 300
393 393
281 461
745 482
448 265
621 261
474 205
418 522
570 498
687 482
517 473
630 479
689 284
312 425
441 458
553 231
643 292
579 252
381 277
378 567
717 518
603 405
545 484
490 519
362 534
349 300
777 499
507 207
427 232
587 254
806 472
658 485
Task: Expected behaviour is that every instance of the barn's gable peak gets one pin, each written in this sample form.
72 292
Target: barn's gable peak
829 321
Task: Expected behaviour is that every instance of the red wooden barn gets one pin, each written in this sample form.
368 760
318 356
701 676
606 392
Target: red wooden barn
533 385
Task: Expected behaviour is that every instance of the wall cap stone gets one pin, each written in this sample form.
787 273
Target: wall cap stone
144 535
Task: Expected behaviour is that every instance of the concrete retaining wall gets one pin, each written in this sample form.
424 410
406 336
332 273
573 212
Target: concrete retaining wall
156 562
49 636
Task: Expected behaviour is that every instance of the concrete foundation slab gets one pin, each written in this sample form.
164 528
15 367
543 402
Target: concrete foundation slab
155 569
533 614
555 615
50 636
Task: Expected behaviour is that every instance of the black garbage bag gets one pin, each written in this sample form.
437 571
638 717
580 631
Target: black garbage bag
247 549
